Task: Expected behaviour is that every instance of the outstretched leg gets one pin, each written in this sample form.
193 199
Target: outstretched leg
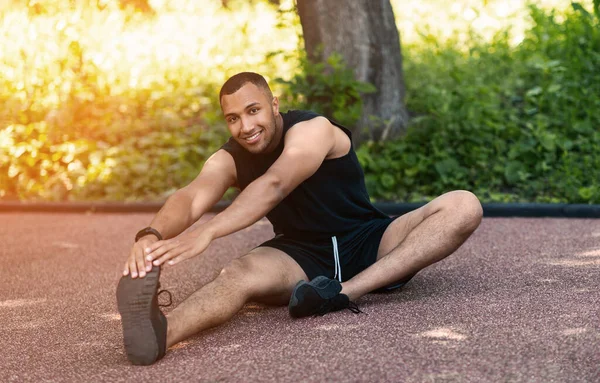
265 275
419 239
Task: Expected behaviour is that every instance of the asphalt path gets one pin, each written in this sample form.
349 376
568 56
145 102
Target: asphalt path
518 302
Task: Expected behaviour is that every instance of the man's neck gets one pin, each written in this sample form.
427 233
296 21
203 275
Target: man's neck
278 134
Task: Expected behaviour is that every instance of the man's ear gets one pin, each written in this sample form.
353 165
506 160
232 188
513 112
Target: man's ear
275 104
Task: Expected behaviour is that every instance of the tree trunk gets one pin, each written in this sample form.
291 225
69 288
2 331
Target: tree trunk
364 32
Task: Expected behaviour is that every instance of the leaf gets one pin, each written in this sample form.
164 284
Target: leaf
554 88
584 127
411 172
565 144
387 180
534 91
511 172
548 141
447 167
586 193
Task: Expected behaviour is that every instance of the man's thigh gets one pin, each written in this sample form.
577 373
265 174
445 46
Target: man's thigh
274 275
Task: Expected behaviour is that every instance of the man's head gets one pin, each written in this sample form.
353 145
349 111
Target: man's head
251 112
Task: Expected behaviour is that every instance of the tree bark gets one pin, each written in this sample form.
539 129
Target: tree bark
364 32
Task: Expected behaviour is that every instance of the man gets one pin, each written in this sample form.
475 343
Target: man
300 171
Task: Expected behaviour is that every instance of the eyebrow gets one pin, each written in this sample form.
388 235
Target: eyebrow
245 108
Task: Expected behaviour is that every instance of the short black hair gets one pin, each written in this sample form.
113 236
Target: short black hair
235 82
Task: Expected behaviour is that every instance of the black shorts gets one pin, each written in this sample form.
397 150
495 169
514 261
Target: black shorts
356 250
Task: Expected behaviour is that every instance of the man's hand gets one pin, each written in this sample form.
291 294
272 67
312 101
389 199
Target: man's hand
177 249
136 264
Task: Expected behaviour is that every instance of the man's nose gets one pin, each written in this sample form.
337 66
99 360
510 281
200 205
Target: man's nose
247 124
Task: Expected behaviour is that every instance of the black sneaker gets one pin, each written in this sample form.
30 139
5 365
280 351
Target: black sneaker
144 325
319 297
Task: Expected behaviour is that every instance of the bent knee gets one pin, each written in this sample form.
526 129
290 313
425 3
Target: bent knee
237 275
237 270
248 275
466 209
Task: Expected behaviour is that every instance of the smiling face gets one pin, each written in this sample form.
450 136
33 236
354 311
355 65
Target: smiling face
253 118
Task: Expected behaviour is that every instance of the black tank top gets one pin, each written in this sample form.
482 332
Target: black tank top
331 202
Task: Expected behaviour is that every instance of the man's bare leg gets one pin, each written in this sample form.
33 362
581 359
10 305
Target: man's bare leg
419 239
264 275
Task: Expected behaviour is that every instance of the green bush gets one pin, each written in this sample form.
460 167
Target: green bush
95 104
328 88
149 166
510 124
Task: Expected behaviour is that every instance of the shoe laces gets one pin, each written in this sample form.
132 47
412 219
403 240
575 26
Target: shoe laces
354 308
338 303
164 292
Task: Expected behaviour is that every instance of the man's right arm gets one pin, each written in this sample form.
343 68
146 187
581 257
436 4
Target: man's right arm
189 204
186 206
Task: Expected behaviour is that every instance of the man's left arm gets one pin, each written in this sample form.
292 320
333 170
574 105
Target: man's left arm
306 146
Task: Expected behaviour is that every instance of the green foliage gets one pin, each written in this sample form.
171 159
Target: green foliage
510 124
85 115
95 104
329 88
149 166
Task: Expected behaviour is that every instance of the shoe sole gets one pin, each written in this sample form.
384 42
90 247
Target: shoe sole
134 298
304 290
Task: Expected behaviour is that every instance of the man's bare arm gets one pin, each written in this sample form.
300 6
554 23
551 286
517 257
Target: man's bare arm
305 149
189 204
306 146
185 207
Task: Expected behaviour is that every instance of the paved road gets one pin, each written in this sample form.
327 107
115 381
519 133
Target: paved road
519 302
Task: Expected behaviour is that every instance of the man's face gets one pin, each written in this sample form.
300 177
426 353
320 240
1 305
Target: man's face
250 116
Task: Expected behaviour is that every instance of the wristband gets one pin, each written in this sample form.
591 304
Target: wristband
148 230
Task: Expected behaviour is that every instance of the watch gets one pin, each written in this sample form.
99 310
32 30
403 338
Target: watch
148 230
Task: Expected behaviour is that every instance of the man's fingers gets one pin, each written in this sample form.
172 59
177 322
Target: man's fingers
141 264
160 251
153 251
149 250
173 253
132 268
176 258
126 269
137 265
179 258
164 258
